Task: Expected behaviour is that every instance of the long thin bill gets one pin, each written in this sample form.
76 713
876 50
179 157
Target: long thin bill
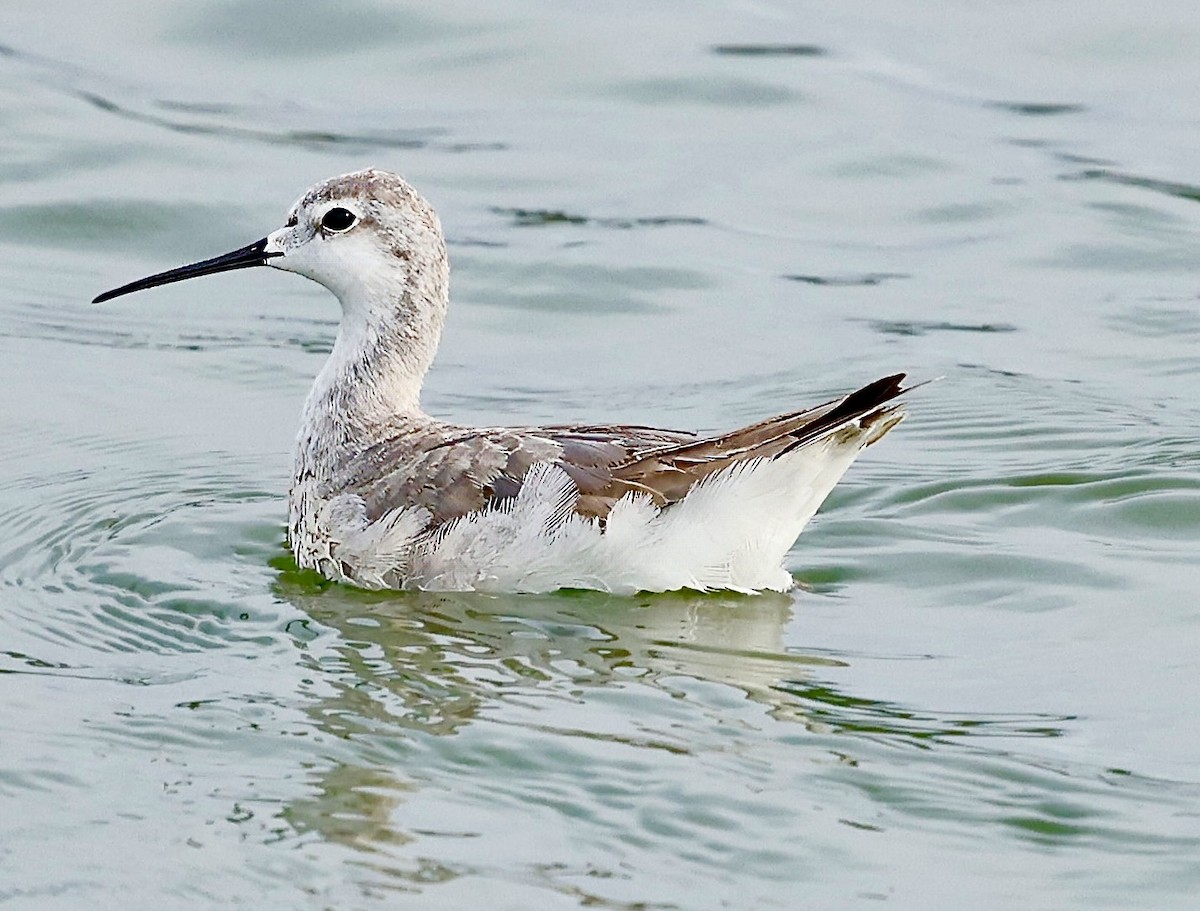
253 255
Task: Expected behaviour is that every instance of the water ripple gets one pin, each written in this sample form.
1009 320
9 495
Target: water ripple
125 562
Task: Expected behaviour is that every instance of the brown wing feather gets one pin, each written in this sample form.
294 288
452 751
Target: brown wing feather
453 471
668 474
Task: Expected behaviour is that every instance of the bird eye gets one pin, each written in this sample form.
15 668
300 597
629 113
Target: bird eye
337 220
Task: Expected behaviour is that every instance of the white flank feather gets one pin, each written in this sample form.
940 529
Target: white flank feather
370 554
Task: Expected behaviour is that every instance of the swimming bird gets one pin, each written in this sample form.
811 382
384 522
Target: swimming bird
385 496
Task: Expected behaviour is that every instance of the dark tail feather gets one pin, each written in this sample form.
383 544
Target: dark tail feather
855 405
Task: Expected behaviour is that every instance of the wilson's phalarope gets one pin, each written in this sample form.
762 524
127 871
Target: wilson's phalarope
384 496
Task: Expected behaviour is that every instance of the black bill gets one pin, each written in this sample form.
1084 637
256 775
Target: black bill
253 255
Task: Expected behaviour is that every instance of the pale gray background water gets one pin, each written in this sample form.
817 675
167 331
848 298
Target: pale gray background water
692 214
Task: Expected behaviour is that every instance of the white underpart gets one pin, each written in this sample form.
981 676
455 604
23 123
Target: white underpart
730 532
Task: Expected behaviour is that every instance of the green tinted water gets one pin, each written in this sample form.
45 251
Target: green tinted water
984 691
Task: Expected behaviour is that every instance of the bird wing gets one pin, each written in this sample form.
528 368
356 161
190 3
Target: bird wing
452 471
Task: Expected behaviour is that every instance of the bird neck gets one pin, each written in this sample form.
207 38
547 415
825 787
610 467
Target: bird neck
371 383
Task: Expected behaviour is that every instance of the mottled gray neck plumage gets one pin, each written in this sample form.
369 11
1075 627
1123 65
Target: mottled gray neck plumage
393 309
